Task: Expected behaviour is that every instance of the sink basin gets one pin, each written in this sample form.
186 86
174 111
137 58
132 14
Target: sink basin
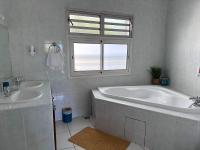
5 100
32 84
25 95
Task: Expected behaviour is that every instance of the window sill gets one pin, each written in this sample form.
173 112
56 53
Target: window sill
114 74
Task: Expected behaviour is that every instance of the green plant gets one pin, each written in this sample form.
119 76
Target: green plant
155 72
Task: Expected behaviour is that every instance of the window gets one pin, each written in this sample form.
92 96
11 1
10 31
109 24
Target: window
118 27
102 24
115 56
86 56
99 44
84 24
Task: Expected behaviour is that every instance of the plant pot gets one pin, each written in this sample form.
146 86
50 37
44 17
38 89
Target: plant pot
155 81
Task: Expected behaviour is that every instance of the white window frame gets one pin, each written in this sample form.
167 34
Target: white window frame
72 67
118 71
101 72
99 39
102 16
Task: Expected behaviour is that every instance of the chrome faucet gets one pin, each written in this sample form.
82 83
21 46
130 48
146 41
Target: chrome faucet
196 100
17 81
1 89
9 85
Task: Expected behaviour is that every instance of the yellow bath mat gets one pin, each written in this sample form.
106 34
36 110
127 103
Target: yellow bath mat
94 139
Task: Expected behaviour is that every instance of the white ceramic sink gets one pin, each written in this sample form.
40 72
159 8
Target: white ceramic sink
4 100
28 92
25 95
32 84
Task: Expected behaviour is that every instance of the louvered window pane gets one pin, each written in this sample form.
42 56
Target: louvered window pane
84 24
85 31
121 21
117 27
84 17
116 33
107 26
80 24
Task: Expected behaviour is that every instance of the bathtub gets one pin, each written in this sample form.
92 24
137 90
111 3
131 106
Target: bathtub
151 96
153 117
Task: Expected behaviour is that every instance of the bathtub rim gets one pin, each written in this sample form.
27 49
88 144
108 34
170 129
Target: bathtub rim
96 95
195 110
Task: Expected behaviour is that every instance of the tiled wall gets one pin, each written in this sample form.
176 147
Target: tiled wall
4 4
5 63
37 21
183 45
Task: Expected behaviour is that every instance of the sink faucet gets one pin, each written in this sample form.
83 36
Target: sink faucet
1 89
9 85
17 81
196 100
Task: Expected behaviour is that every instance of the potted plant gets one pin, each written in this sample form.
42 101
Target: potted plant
155 73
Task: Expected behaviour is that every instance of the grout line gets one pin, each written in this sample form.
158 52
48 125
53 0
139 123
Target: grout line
74 146
69 130
24 130
67 148
70 135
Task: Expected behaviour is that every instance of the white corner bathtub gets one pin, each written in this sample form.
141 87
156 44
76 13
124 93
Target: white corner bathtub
151 96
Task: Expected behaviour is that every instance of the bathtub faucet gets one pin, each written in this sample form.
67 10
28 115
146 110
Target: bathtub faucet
196 100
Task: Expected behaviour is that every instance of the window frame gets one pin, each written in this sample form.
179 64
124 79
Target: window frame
96 39
100 72
72 64
101 23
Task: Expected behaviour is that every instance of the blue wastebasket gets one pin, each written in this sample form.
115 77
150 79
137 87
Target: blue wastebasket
67 115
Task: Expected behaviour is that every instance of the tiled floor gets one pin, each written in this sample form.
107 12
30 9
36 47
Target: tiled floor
65 131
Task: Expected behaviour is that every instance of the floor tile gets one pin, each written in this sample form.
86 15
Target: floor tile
78 124
79 148
133 146
62 141
63 135
65 131
61 127
68 149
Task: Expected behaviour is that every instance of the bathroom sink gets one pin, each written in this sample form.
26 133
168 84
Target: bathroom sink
32 84
4 100
25 95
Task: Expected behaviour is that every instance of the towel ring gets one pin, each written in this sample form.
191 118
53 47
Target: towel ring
55 45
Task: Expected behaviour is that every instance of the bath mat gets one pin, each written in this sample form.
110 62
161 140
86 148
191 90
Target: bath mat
94 139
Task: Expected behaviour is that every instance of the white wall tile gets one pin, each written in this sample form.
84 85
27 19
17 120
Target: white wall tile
37 21
135 131
183 48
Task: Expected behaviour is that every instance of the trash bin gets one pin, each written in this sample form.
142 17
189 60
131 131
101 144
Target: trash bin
67 115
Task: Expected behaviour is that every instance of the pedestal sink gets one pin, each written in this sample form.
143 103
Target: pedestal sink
25 95
32 84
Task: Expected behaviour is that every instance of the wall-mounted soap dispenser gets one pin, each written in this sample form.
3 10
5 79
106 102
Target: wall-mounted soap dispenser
32 50
198 71
3 20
